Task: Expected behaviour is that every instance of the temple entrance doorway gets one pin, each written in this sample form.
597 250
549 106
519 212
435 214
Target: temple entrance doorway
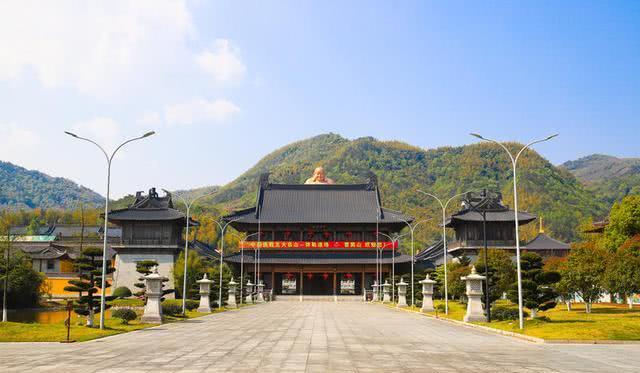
318 284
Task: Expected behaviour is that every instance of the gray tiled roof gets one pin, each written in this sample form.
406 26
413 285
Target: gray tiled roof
287 203
544 242
318 257
150 207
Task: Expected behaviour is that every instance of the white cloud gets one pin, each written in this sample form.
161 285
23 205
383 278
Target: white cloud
96 47
150 118
17 143
199 111
222 62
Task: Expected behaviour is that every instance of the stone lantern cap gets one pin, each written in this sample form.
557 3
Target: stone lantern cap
249 283
375 284
402 283
204 280
386 283
155 275
474 275
232 282
427 280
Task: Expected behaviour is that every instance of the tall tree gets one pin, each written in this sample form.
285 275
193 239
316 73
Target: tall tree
563 287
537 291
500 270
89 267
623 270
586 266
624 222
195 269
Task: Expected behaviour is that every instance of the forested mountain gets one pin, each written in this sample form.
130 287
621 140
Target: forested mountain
22 188
609 177
402 169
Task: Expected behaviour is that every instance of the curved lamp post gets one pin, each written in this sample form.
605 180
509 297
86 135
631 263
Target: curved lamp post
393 260
412 229
222 227
444 242
188 205
514 161
109 159
242 262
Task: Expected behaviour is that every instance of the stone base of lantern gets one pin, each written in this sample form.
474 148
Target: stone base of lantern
205 306
427 303
475 313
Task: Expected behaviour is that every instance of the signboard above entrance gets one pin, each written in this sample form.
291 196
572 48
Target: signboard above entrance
317 245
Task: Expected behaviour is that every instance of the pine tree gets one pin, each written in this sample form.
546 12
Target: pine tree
89 267
537 291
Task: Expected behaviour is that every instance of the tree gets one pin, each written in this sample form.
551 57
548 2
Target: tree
586 266
537 292
89 267
195 269
23 287
624 222
562 287
455 286
144 268
623 270
500 270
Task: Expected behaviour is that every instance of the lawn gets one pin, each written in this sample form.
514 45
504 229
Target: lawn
605 322
56 332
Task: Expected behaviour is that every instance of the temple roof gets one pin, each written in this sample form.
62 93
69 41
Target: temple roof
318 257
150 207
490 204
544 242
318 203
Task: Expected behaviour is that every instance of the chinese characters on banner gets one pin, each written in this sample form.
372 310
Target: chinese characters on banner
317 245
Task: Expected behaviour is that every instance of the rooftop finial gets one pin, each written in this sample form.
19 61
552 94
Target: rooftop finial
541 228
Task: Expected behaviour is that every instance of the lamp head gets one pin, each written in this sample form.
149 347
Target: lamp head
71 134
148 134
552 136
477 135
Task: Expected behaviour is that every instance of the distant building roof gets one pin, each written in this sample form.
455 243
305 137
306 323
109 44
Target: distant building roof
544 242
150 207
318 203
597 226
204 250
489 203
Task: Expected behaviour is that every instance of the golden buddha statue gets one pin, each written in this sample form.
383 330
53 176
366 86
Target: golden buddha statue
319 177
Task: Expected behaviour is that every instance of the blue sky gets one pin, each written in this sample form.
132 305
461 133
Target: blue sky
223 84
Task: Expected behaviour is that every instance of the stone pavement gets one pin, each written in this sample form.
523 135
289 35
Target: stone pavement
315 337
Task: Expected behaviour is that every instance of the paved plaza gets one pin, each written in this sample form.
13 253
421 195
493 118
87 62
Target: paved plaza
315 337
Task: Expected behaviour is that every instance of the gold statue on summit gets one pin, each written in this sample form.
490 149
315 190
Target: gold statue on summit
319 177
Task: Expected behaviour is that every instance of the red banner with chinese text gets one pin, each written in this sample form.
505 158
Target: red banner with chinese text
317 245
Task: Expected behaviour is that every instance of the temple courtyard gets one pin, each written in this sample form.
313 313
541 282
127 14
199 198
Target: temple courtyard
315 337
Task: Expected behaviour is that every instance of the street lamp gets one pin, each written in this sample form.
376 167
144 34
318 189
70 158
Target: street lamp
222 227
393 260
109 158
444 242
514 161
242 262
412 229
188 205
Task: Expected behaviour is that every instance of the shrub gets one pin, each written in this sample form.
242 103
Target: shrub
122 292
171 309
501 313
190 304
124 314
128 302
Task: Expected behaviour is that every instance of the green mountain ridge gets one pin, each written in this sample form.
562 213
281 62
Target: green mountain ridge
610 178
22 188
544 189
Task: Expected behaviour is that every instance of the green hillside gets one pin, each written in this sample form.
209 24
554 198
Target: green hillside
609 177
402 169
22 188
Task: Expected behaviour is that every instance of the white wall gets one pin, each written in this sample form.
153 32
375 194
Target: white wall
126 274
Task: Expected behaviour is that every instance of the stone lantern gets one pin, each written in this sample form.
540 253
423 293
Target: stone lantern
205 290
427 294
402 293
375 291
153 309
474 295
249 298
386 290
231 301
260 297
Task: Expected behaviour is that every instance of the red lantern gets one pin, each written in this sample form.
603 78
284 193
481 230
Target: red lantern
310 276
349 235
325 276
310 235
326 235
348 276
287 234
288 276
